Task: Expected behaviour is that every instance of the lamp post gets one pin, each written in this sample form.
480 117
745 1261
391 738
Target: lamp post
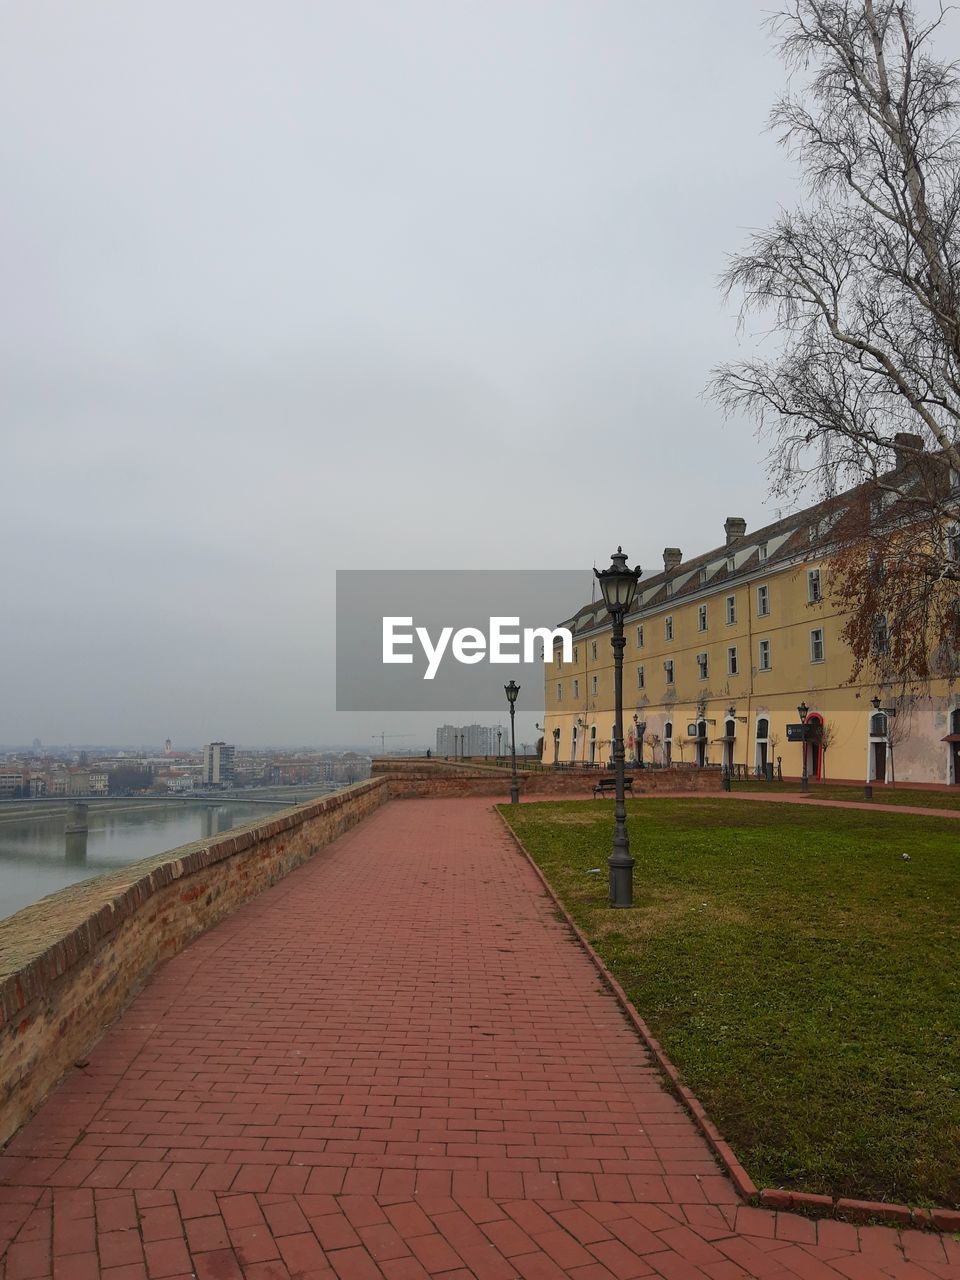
499 736
802 713
619 586
511 690
868 785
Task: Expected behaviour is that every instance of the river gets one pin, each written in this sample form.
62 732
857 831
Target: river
38 855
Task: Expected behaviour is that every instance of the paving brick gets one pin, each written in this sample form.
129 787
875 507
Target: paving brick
426 1083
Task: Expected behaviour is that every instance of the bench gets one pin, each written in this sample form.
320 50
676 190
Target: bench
610 784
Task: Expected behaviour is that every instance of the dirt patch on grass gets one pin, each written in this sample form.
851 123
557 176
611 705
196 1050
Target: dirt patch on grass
658 911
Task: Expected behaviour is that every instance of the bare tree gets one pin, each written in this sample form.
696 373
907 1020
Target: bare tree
863 285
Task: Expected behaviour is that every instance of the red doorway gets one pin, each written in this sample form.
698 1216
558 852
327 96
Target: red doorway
814 748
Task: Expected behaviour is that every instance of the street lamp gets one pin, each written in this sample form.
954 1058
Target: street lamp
499 736
868 786
619 587
511 690
802 713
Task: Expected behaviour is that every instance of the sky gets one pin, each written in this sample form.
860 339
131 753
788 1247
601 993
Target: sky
300 286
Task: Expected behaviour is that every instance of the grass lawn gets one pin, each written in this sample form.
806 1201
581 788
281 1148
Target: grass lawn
799 971
881 794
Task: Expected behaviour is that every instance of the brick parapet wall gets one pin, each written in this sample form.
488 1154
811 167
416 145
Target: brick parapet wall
70 963
420 778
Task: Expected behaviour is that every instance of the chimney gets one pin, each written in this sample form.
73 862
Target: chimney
672 557
906 447
735 527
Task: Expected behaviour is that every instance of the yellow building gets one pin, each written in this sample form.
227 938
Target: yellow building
721 649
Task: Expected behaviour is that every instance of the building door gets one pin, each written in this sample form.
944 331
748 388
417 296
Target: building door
729 734
763 744
701 743
954 747
668 743
814 748
880 761
593 744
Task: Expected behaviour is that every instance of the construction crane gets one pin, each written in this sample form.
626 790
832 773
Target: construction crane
383 739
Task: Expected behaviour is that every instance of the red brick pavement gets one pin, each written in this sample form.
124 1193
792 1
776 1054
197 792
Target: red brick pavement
395 1063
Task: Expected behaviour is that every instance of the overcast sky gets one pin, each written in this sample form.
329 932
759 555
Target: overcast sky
304 285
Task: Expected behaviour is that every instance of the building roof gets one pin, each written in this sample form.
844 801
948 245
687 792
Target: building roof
782 542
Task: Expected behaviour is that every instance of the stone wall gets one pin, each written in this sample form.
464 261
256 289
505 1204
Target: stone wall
421 777
70 963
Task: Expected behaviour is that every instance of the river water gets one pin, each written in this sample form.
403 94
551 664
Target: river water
38 856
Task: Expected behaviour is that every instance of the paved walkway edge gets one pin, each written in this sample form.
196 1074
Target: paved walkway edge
944 1220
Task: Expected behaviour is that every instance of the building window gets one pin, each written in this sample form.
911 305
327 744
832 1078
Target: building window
668 668
731 608
731 564
702 665
880 641
559 692
953 544
576 688
762 552
668 627
816 644
640 677
814 594
576 654
764 663
593 650
732 660
559 660
639 637
702 618
703 575
763 601
594 686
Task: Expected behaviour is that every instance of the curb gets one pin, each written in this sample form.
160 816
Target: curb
943 1220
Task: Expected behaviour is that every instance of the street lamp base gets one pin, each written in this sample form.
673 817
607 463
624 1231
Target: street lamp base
514 795
621 884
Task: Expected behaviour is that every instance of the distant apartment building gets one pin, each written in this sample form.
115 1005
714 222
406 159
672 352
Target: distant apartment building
99 782
218 760
11 780
57 782
78 782
467 740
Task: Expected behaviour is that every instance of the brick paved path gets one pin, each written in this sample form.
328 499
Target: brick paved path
395 1063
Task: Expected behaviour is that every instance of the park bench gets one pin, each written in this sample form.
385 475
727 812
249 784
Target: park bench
610 784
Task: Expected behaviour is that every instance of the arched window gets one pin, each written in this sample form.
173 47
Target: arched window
955 721
763 728
878 725
730 728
